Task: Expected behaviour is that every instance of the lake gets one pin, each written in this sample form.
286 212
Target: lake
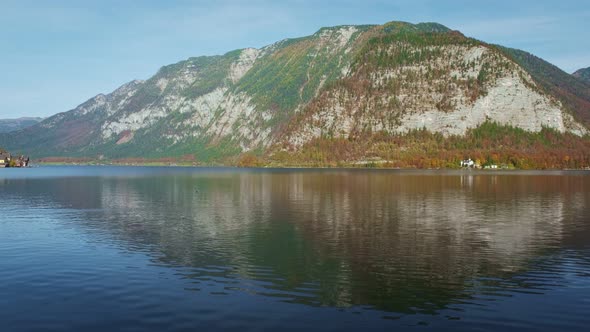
184 249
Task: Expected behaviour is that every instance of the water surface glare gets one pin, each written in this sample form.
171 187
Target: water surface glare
187 249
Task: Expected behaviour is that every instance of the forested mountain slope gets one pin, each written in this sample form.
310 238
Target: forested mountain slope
341 83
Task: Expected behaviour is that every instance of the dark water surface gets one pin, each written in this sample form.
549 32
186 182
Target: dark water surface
187 249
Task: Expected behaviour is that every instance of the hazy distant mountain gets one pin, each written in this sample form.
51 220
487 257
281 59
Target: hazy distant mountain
583 74
342 86
8 125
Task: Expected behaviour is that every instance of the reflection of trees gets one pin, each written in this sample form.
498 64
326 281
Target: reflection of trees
397 241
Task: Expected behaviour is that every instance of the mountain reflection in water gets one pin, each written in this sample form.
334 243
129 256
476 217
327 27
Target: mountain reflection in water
397 242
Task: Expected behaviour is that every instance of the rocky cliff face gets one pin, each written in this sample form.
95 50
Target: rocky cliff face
339 82
446 88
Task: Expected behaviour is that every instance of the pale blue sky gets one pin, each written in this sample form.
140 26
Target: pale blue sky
56 54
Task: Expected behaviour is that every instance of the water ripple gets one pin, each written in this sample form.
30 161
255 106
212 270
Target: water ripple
141 249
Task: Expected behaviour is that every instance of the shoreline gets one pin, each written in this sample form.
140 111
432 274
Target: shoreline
295 167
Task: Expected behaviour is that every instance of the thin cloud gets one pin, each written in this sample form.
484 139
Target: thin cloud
80 48
507 28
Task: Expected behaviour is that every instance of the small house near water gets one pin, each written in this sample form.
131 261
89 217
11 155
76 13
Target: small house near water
467 163
6 160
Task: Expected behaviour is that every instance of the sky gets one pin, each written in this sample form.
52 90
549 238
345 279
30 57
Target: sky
54 55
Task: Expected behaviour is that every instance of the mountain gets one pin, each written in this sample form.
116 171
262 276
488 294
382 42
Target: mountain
345 93
8 125
583 74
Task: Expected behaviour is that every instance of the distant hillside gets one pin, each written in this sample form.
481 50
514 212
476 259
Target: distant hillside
583 74
418 93
8 125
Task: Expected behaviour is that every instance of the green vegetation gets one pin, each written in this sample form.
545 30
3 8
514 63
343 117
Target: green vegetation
405 27
410 47
377 76
212 73
292 75
489 143
583 74
405 69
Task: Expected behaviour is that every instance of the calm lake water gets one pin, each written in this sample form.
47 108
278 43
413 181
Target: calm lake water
187 249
